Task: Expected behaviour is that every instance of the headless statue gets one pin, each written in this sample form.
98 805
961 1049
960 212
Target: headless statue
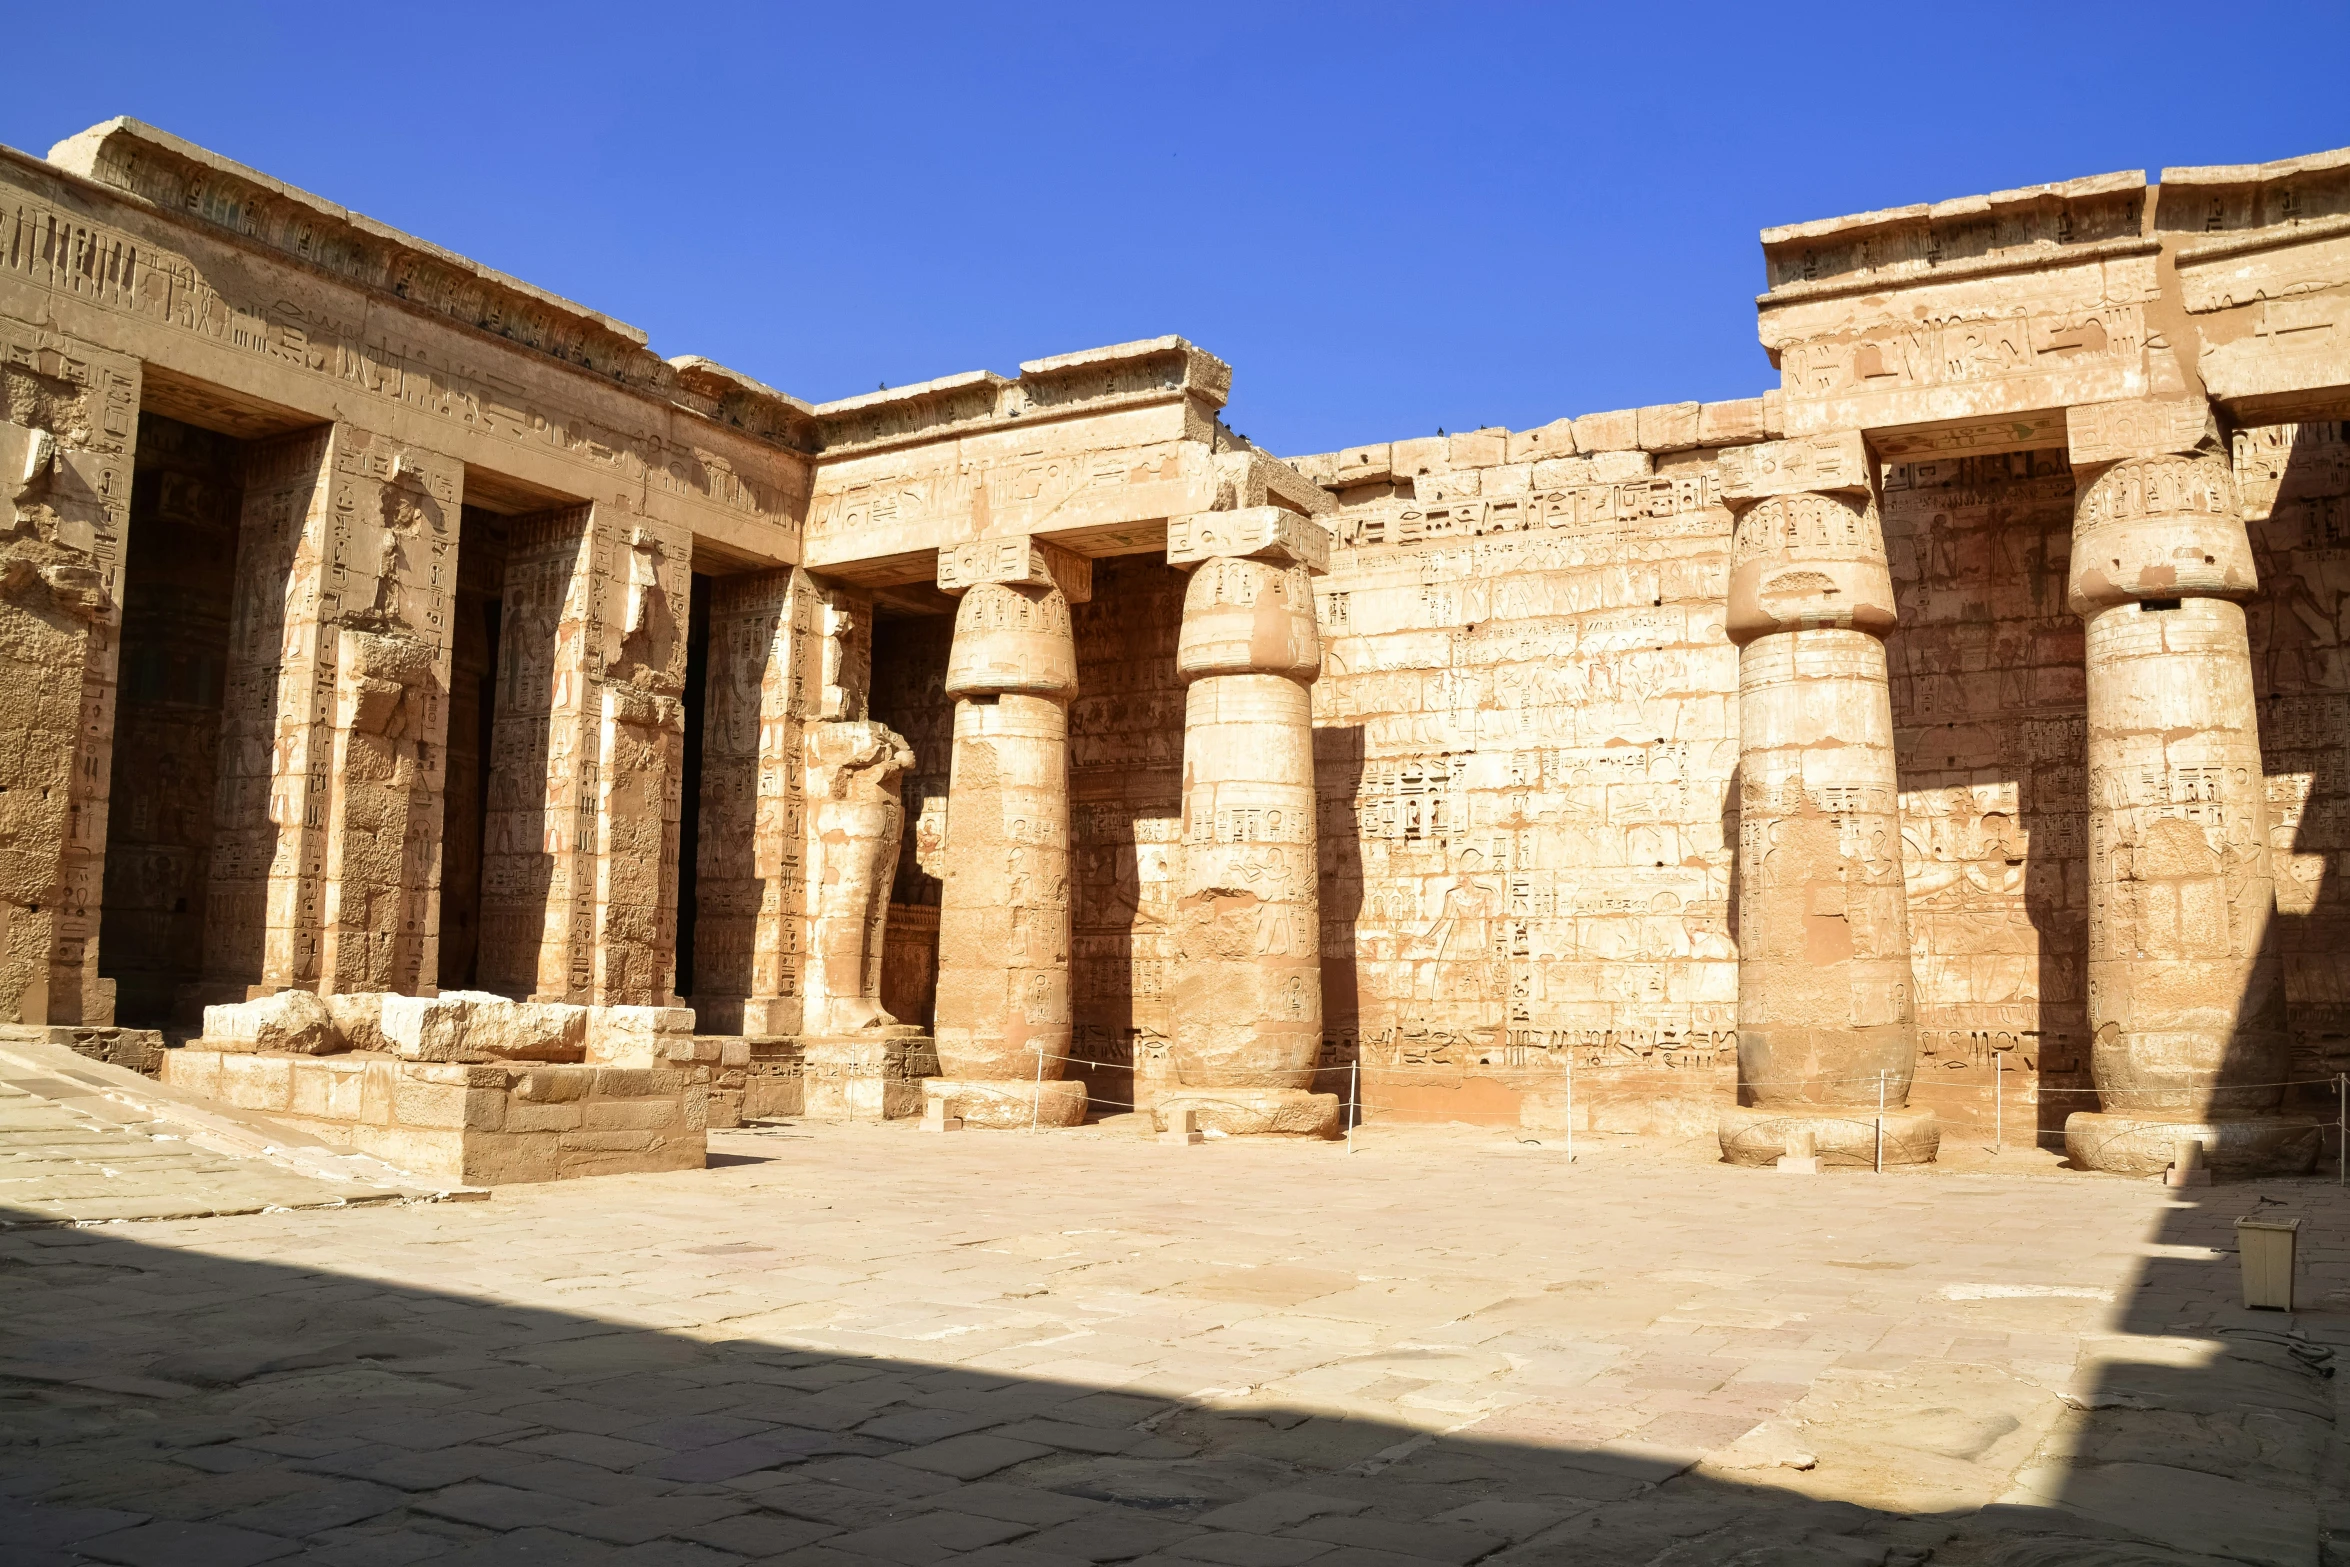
854 824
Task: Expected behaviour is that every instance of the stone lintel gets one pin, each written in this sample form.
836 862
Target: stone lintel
1272 533
2146 427
1816 463
1249 477
962 567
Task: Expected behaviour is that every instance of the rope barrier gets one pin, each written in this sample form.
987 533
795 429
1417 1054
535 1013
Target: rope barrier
1357 1102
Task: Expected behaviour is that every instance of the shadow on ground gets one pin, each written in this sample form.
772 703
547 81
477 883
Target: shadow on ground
207 1412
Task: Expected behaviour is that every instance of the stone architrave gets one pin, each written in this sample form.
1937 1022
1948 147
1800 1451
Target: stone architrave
65 484
327 820
2186 987
1827 1025
1248 965
751 883
1003 951
579 883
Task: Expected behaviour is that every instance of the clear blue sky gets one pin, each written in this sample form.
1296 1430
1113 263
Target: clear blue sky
1389 218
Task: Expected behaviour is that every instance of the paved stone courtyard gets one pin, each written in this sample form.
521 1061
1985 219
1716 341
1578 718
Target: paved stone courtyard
856 1345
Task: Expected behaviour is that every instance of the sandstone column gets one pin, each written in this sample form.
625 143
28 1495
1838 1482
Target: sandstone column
579 882
1826 1022
1003 923
1248 977
2186 990
65 485
327 813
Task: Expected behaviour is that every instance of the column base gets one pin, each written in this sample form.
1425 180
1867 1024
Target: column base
2243 1147
1007 1102
865 1078
1249 1112
1846 1137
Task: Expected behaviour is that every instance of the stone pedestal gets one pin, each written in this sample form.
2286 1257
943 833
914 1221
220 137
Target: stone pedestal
1007 1105
1826 1021
1248 980
1003 959
1759 1137
2186 988
877 1076
1247 1112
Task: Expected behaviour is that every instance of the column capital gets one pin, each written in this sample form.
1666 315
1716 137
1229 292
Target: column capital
1267 533
2158 529
1018 561
1808 560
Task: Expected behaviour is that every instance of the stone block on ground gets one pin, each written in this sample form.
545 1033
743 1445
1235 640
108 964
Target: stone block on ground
1758 1136
869 1077
292 1021
1248 1112
473 1025
642 1036
1007 1103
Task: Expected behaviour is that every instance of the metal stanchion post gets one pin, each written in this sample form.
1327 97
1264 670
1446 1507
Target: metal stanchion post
2342 1127
1036 1103
1354 1100
1880 1123
1570 1107
1998 1104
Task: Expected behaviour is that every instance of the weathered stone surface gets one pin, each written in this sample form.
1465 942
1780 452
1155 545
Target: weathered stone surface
291 1020
472 1025
1249 1112
1597 756
1005 1105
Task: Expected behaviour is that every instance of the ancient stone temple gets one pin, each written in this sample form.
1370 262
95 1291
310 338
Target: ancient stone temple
459 730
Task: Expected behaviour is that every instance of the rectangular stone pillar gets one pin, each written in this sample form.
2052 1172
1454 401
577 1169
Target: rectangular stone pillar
579 867
327 810
750 877
65 478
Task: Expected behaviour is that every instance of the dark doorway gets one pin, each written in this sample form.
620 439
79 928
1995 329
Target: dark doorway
473 678
187 494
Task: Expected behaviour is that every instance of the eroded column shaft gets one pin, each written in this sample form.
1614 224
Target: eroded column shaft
1248 981
1003 969
1824 1006
2186 993
1827 1029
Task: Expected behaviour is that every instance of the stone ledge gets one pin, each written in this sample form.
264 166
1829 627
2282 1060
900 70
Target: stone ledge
479 1124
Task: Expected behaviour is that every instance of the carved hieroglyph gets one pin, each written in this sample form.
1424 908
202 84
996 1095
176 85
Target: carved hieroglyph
1826 1018
2186 988
1248 978
579 881
68 429
1003 958
751 883
327 823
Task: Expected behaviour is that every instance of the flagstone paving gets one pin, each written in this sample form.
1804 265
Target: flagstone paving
853 1345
